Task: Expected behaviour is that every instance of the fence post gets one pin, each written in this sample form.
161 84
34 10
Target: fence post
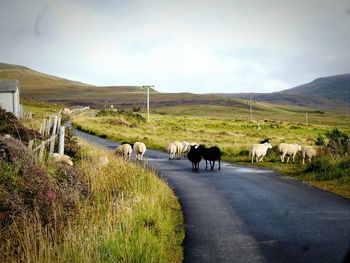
30 145
59 123
52 144
44 128
48 127
54 125
61 140
41 152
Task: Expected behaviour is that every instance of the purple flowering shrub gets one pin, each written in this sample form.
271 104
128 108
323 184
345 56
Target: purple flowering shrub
31 194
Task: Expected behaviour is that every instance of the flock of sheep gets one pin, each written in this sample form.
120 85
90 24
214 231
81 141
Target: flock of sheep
258 151
196 152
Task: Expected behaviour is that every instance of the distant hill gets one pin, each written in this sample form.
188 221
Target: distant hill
35 84
328 93
324 94
330 88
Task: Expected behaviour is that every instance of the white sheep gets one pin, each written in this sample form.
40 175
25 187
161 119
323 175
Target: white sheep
259 150
171 149
179 147
124 150
139 149
289 150
312 151
186 147
62 158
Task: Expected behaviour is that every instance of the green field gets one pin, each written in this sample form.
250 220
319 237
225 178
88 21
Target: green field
225 127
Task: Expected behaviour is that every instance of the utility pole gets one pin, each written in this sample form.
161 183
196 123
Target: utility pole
148 100
306 119
250 102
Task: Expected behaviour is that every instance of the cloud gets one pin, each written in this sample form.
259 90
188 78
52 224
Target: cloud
198 46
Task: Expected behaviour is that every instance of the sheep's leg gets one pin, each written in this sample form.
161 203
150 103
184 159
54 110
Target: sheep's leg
293 158
252 158
282 159
288 159
219 162
257 159
206 164
261 159
212 167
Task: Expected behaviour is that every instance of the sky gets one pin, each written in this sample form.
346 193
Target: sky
195 46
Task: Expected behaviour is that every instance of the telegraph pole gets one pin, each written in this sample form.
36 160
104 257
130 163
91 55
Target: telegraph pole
250 102
148 100
306 119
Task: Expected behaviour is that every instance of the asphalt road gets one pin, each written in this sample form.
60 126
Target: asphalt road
243 214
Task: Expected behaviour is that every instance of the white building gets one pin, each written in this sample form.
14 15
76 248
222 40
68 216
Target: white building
9 97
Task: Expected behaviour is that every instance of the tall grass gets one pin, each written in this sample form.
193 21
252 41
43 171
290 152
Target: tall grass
130 216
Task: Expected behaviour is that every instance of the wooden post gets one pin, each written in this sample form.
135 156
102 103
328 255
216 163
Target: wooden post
41 152
30 145
44 127
61 140
48 127
54 125
52 144
59 123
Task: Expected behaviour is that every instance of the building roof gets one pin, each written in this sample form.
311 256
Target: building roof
9 85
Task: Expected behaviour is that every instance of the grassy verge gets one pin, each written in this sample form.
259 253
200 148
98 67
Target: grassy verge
94 212
233 136
133 217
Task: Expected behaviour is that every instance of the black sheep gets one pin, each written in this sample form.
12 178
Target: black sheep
210 154
194 156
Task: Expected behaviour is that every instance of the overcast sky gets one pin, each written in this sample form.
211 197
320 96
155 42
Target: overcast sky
182 45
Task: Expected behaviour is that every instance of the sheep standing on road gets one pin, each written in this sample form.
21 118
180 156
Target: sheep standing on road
139 149
186 147
124 150
194 156
312 151
259 151
210 154
171 149
289 150
179 147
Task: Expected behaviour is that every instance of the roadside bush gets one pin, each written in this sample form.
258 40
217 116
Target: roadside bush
31 196
9 124
320 140
339 143
107 112
327 168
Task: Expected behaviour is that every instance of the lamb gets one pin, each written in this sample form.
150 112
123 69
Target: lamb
194 156
179 147
212 154
62 158
139 149
259 150
124 150
288 149
171 149
312 151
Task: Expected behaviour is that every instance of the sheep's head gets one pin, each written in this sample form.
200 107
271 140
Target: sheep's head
299 147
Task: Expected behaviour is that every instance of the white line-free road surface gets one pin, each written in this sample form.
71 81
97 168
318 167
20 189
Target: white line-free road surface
243 214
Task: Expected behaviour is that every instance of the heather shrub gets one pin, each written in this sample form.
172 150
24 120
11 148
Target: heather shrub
32 194
9 124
